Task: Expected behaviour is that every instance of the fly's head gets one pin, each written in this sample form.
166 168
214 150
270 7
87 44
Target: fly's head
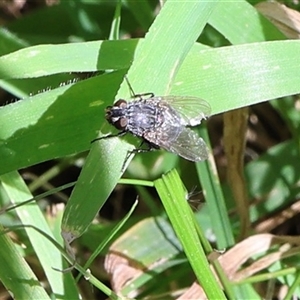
116 114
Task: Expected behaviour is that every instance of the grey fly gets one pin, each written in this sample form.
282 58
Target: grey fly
162 122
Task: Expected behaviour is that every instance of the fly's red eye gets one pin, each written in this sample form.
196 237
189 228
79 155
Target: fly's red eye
108 113
121 103
121 123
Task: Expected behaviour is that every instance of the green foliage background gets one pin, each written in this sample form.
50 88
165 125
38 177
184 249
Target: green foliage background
224 52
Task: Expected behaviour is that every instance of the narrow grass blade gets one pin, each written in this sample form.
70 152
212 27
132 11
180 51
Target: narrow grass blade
15 273
48 254
173 195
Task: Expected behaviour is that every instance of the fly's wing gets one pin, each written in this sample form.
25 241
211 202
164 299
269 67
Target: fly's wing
181 141
190 109
189 145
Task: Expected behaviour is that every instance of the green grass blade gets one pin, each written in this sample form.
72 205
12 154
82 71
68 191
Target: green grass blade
166 45
40 121
173 195
115 26
112 234
215 201
242 75
241 23
15 273
54 124
43 60
142 12
151 67
48 254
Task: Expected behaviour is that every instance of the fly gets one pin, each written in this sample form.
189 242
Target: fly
162 122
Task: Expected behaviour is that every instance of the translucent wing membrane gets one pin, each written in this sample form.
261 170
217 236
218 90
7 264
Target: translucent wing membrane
189 145
191 109
180 140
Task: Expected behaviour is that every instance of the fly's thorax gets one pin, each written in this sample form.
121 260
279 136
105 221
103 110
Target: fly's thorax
142 116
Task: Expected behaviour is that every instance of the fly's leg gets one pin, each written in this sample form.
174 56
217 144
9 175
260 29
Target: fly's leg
121 133
151 147
125 161
138 96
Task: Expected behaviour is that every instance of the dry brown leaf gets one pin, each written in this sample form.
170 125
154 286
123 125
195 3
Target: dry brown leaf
278 219
265 262
120 271
232 260
235 126
285 19
194 292
13 7
123 265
